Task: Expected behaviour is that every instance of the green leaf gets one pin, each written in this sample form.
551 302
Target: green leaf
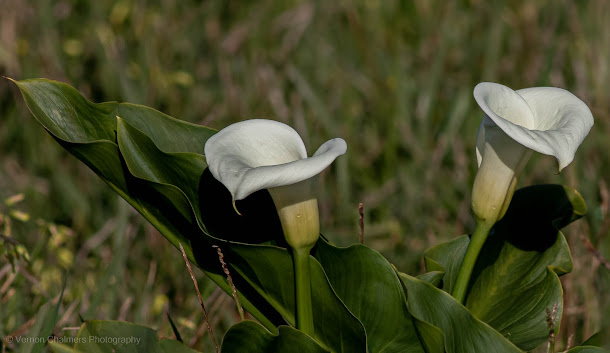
169 135
367 284
88 131
431 337
516 279
249 336
171 346
518 308
447 258
433 277
182 171
270 271
62 348
67 115
174 328
462 332
599 339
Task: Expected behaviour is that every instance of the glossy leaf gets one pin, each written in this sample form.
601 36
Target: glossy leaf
447 258
367 284
67 115
517 307
431 337
89 132
433 277
515 279
169 135
250 337
462 332
181 171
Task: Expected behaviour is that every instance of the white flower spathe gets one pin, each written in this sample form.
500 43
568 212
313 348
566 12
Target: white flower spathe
259 154
548 120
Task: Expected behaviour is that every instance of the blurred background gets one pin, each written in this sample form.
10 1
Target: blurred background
393 78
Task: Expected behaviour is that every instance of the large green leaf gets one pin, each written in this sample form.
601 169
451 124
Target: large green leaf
67 115
98 336
516 279
462 332
518 306
169 135
250 337
269 270
367 284
89 132
180 170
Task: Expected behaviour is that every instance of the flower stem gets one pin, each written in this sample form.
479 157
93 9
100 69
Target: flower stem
300 258
476 243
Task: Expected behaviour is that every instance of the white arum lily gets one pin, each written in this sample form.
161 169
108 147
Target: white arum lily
548 120
263 154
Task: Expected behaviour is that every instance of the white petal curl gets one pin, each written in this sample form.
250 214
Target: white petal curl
260 154
548 120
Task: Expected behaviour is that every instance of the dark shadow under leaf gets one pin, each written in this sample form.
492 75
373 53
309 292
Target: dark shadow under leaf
258 222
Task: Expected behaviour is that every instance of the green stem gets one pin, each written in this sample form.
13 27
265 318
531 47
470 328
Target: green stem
476 243
300 258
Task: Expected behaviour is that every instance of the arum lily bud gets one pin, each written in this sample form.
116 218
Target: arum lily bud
297 208
263 154
548 120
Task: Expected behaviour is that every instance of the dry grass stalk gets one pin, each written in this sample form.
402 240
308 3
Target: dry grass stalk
226 270
205 314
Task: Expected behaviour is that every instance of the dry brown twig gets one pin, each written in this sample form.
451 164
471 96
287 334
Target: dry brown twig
205 314
226 270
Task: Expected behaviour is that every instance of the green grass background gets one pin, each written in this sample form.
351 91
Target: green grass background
393 78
